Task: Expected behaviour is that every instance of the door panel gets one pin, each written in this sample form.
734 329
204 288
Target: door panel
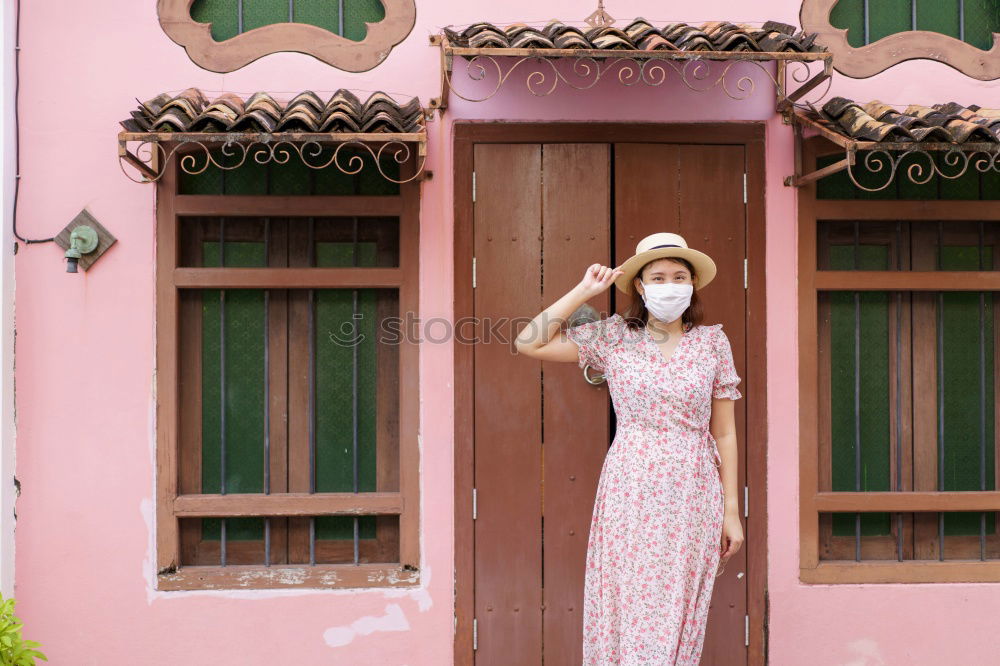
542 214
576 225
508 526
697 191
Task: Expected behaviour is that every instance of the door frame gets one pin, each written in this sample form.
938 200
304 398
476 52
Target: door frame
748 134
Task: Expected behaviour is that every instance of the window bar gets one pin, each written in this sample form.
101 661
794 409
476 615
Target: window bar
267 393
239 17
899 391
913 14
340 17
354 380
267 376
940 392
982 398
312 396
267 542
867 24
857 396
961 20
222 388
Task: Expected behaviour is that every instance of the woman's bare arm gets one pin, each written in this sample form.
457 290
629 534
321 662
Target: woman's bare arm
723 428
534 339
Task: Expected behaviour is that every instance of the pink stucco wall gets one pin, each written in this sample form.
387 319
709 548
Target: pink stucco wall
84 377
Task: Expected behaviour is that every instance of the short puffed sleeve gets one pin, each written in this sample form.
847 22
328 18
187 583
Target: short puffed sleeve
594 339
726 379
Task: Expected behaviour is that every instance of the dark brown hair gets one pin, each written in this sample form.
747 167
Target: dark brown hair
637 314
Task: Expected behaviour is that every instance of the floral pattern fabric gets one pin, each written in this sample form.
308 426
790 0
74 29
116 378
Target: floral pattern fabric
655 535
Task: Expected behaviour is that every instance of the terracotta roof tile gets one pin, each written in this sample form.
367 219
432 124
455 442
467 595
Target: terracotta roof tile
640 34
191 111
940 123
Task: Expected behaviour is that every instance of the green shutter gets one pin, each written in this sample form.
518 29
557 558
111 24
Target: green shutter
224 15
338 336
961 388
889 17
873 372
244 388
850 14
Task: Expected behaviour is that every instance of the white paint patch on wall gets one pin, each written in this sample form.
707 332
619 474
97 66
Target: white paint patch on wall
421 595
864 652
393 620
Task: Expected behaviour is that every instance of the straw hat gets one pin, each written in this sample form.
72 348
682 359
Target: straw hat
658 246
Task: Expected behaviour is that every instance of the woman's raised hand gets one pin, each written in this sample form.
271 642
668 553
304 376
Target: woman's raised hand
597 278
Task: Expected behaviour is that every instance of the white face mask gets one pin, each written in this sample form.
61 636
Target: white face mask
667 301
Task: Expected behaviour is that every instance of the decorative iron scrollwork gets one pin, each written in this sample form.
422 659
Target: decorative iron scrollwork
195 153
697 73
954 164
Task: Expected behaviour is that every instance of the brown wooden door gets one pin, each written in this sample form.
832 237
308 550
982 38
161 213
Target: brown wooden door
542 213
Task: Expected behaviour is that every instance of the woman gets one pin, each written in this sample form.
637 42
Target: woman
666 516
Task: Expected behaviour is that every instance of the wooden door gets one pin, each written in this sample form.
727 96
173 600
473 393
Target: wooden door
697 191
541 214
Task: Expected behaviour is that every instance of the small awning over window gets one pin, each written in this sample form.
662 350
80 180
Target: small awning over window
637 53
322 132
961 136
639 35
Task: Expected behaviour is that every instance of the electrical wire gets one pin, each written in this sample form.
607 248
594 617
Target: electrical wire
17 129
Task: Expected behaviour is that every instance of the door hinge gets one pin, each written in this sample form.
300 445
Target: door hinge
744 187
474 507
744 272
475 634
746 630
474 188
473 272
746 500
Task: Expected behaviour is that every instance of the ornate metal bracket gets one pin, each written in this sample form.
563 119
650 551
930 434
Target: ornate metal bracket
886 158
699 71
150 153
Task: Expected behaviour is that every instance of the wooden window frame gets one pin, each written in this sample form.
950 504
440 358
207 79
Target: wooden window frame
332 49
171 506
864 61
813 500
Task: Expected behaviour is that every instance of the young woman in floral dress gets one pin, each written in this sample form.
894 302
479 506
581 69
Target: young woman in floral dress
666 517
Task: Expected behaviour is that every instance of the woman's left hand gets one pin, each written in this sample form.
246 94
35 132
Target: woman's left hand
732 537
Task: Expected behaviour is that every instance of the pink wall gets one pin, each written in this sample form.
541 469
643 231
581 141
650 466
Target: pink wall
84 541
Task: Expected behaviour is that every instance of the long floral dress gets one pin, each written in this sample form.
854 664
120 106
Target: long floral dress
655 536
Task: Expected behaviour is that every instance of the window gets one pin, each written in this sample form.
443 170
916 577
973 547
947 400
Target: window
224 35
868 21
346 18
882 33
287 387
899 332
